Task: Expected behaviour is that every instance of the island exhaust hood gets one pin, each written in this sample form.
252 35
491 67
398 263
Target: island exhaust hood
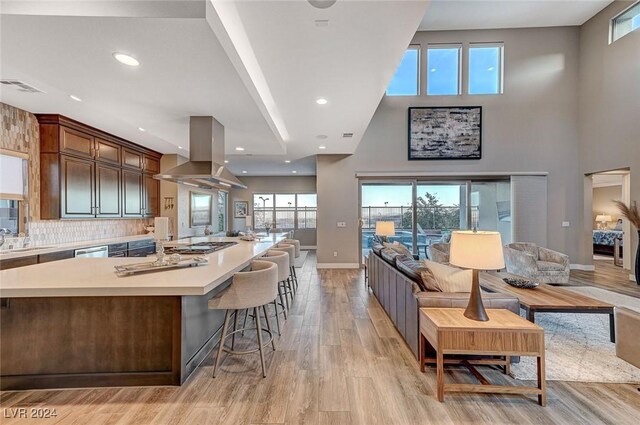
205 168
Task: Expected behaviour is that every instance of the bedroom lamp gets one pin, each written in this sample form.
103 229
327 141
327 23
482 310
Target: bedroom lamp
602 219
385 228
476 250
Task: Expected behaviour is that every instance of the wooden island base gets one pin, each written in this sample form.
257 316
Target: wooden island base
69 342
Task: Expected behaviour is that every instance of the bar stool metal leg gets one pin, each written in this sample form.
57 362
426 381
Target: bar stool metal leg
222 337
235 328
259 331
266 318
275 308
282 303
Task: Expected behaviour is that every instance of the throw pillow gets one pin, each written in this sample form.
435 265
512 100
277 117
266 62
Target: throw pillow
450 279
398 247
429 280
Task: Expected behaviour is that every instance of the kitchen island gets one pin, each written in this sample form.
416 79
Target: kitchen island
74 323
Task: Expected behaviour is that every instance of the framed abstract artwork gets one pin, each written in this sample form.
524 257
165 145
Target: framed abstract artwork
445 132
240 209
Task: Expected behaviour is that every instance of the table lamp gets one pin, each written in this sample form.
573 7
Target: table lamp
602 219
385 228
476 250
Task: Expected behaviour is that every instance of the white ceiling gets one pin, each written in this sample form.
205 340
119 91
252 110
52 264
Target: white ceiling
257 66
484 14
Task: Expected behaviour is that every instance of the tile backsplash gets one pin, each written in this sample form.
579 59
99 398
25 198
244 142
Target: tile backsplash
60 232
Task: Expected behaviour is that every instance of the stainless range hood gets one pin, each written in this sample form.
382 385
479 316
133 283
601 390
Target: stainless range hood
205 168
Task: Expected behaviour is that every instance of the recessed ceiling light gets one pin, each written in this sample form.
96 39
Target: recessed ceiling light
226 161
244 172
294 172
141 129
322 147
490 68
433 70
239 149
322 101
286 161
321 136
321 4
76 98
179 147
126 59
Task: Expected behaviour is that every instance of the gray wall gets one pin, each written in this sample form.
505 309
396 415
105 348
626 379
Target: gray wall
609 101
532 127
300 184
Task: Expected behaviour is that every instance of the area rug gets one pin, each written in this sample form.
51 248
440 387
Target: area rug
299 262
578 346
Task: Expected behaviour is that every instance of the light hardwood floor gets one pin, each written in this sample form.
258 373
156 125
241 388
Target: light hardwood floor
607 276
339 361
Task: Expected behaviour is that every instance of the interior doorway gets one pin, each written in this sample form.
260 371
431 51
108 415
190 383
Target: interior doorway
610 231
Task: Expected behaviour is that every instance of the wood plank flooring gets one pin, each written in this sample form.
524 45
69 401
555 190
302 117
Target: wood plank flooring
340 362
606 276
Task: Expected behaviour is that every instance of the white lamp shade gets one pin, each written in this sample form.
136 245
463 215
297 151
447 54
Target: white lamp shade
603 218
479 250
385 228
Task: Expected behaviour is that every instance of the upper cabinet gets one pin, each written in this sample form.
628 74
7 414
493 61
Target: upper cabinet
87 173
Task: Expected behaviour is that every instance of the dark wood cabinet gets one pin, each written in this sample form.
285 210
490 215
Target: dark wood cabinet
107 152
55 256
74 142
151 196
108 199
87 173
77 187
131 159
18 262
131 193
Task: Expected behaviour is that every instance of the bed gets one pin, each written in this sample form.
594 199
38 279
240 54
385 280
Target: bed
603 241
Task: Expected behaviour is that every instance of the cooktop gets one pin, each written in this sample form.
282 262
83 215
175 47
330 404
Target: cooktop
199 248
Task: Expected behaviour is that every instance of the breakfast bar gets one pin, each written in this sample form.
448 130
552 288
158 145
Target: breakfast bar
75 323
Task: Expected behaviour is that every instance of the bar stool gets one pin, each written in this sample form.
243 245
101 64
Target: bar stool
249 290
282 260
291 250
295 243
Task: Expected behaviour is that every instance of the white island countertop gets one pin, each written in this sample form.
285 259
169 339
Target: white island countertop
86 277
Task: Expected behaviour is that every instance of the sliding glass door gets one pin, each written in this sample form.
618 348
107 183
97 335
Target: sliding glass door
425 212
391 202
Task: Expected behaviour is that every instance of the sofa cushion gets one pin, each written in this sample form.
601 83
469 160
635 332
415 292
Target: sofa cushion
398 247
450 279
547 266
413 270
429 281
377 248
389 255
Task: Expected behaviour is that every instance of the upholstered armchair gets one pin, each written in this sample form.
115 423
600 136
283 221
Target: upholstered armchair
438 252
535 262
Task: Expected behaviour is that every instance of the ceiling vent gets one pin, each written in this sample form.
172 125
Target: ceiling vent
21 86
347 135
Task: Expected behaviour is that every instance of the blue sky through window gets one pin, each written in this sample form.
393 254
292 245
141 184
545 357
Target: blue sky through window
484 70
405 80
400 195
443 71
635 22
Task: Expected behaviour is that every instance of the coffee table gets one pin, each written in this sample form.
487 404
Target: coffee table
548 299
506 334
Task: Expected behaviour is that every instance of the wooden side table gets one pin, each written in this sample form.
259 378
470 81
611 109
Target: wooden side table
447 331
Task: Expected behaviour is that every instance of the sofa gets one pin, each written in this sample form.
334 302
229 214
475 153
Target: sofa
398 288
438 252
537 263
627 341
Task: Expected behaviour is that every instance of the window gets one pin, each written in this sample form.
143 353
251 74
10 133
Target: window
626 22
307 208
284 210
485 68
443 69
222 211
405 80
